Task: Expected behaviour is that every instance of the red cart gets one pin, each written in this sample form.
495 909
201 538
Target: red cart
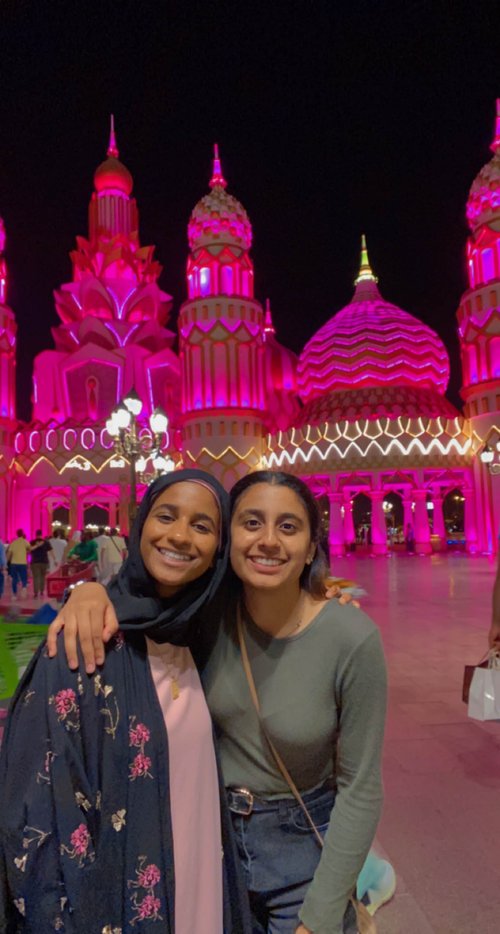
67 574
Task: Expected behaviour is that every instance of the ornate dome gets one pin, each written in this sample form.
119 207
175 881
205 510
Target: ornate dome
372 343
111 175
483 205
219 218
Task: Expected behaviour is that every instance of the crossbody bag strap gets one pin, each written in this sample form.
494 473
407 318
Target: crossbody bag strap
279 761
365 922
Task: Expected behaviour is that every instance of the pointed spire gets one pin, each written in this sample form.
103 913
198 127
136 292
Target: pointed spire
495 146
268 320
217 179
112 147
365 270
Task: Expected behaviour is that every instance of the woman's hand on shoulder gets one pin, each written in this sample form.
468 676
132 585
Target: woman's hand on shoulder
333 591
303 930
88 618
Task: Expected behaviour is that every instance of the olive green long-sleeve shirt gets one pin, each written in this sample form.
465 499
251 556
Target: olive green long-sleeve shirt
323 697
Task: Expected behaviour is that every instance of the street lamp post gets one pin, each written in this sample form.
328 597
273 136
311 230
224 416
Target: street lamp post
490 455
122 426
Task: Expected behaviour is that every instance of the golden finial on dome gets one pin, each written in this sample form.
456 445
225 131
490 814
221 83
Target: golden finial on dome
365 270
268 319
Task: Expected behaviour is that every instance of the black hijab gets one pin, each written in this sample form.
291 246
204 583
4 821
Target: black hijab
133 591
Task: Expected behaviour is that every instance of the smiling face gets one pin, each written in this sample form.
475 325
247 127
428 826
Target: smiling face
180 536
270 537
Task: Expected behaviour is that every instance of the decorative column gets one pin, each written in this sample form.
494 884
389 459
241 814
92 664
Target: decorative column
336 537
438 526
349 530
73 506
113 513
421 524
379 529
407 513
123 507
470 526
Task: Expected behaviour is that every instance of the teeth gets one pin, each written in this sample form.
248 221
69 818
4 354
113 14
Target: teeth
269 562
174 554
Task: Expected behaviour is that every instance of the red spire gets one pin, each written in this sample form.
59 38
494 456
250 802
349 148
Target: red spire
217 179
495 146
112 147
268 321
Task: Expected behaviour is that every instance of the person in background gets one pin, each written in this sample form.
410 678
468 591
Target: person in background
410 538
17 555
40 550
101 538
86 550
494 633
3 567
117 552
58 545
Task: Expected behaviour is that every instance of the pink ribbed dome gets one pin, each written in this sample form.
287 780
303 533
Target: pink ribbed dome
218 218
372 343
483 204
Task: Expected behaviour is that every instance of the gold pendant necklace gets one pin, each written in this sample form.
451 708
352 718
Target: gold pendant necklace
173 673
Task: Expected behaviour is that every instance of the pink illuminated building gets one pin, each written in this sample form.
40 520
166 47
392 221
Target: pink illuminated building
361 413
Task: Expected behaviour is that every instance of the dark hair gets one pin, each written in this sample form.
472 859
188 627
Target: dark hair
38 533
20 533
313 576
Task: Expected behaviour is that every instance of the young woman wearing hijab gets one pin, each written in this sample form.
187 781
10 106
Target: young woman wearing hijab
112 815
320 677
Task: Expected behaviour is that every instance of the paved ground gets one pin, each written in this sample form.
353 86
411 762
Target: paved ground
441 822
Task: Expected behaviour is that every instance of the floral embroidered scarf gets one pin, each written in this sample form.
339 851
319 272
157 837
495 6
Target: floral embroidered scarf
85 823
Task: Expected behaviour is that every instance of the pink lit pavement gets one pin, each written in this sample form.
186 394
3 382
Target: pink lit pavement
441 821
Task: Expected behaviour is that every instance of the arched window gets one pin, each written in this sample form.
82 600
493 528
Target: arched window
204 280
488 265
226 276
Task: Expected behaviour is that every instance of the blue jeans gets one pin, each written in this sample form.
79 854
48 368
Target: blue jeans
19 574
279 854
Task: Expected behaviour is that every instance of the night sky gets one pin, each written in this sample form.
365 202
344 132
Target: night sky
333 119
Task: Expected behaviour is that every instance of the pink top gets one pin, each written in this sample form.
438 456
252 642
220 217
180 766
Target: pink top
194 790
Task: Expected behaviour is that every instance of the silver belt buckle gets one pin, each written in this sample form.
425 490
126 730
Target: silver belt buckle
244 808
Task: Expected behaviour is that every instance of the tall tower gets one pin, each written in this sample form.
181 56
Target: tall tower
112 335
8 329
221 340
479 332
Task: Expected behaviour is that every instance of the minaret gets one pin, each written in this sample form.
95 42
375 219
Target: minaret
111 210
479 333
8 329
221 340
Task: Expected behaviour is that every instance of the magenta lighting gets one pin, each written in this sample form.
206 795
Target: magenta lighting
362 415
